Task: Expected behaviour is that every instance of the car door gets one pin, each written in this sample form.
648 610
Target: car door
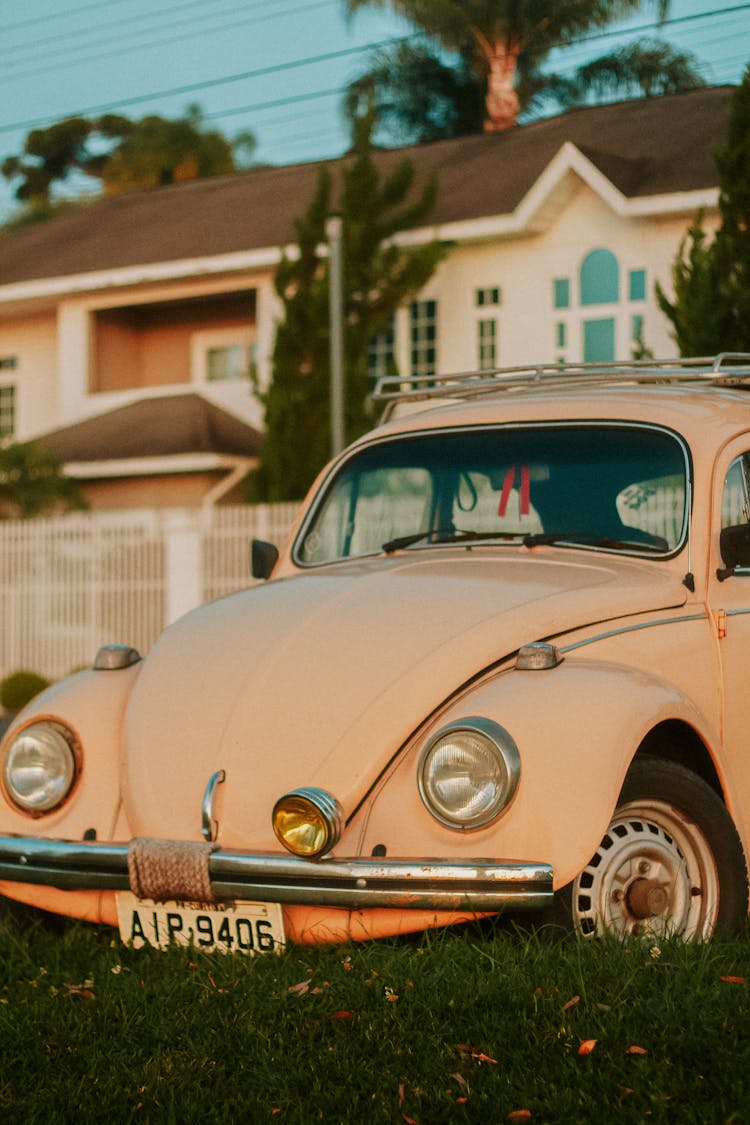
729 602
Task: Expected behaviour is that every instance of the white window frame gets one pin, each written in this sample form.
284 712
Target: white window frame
420 343
381 352
488 296
488 336
8 408
201 343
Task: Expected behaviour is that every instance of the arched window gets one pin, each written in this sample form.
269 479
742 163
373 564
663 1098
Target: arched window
600 278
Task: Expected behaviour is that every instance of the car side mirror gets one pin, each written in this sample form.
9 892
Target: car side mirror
734 544
263 558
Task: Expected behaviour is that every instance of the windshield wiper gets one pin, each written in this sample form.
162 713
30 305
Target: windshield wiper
533 539
574 538
405 541
446 535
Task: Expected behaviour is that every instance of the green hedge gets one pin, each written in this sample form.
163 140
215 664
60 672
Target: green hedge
19 687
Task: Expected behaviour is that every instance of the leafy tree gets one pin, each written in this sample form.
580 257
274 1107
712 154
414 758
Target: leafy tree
649 67
49 155
155 151
378 277
121 154
710 311
497 52
419 95
32 483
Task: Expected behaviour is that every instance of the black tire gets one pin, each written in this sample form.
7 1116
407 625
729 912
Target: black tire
671 862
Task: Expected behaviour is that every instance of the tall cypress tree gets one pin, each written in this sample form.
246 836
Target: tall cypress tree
710 312
378 277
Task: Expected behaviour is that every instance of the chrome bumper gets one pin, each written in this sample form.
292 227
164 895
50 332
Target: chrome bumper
483 886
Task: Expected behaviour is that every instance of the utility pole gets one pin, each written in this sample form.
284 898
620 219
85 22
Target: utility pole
334 230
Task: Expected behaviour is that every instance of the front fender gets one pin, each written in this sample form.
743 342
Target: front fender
577 728
92 705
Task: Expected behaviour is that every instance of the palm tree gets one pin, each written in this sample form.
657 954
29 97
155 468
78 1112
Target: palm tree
508 37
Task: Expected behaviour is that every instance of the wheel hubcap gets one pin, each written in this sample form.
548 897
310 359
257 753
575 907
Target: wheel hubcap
653 873
647 898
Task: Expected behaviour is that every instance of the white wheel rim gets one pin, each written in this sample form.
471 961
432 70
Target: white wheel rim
653 874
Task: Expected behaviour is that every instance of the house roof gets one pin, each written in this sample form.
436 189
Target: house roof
155 427
645 147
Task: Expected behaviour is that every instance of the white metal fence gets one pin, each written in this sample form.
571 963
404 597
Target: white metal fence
70 584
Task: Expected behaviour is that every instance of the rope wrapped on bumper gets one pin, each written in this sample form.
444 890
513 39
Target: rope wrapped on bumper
166 870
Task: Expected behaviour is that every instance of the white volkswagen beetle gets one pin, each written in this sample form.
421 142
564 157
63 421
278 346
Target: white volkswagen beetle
501 664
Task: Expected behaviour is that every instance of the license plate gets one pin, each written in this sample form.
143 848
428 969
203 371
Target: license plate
236 927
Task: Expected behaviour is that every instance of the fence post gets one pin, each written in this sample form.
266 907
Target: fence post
183 563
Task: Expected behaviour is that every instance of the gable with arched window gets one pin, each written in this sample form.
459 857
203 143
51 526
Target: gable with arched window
603 317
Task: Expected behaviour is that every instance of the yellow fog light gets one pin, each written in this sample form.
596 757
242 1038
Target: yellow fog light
307 821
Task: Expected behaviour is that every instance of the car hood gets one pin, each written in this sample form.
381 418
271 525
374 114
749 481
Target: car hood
318 679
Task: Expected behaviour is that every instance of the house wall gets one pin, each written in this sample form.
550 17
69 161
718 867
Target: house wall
32 340
152 345
525 268
107 350
183 490
105 346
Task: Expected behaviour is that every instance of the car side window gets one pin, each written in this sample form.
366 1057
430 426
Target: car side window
735 501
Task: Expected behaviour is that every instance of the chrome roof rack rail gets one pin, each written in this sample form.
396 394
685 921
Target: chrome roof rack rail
727 369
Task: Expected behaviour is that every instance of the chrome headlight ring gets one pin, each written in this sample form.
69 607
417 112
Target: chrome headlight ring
307 821
468 773
40 767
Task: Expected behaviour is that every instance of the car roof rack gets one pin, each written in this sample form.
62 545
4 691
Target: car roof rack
729 369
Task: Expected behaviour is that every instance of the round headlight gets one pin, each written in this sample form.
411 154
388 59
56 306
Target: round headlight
469 772
307 821
40 767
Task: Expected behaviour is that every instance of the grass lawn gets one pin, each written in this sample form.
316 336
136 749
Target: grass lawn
473 1025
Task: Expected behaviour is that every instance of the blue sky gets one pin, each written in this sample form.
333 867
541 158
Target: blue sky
275 68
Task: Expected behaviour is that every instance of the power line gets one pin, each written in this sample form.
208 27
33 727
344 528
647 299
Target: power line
59 15
193 87
51 60
59 37
672 22
311 60
78 59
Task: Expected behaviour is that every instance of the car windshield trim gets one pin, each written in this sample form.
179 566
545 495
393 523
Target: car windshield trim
643 443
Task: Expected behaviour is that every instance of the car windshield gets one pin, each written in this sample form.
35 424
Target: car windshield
612 487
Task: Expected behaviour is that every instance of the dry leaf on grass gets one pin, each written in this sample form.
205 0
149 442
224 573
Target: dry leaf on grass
299 989
570 1003
408 1120
733 980
83 991
518 1115
587 1046
475 1053
635 1050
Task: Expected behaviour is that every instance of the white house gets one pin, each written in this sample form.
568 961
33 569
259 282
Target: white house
129 328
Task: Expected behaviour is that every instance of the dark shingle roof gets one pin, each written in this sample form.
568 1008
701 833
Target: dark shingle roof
645 147
155 427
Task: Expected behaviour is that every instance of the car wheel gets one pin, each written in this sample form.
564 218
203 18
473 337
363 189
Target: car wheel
671 862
